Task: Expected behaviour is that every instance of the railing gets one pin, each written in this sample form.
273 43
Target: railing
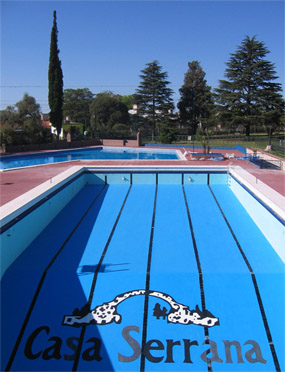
267 163
254 141
279 150
116 136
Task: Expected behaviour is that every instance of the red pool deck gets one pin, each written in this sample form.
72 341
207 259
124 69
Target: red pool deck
16 182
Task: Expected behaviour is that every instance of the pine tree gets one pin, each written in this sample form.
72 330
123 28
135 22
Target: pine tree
55 78
249 94
154 95
196 102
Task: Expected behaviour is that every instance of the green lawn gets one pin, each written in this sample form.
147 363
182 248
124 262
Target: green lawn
256 142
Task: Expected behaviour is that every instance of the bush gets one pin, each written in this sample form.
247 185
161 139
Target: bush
167 134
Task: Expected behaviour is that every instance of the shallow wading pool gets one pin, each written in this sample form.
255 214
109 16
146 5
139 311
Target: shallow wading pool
143 271
92 153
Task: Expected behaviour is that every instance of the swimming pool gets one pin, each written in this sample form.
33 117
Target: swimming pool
97 153
112 281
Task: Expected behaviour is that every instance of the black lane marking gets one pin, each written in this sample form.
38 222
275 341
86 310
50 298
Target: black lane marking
147 281
265 322
91 293
201 281
28 315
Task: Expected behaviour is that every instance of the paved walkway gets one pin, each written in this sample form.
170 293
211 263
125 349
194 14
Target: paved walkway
16 182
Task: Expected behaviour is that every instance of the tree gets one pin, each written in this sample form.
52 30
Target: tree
29 119
9 116
22 122
55 78
106 111
128 100
203 136
77 105
196 100
6 133
272 114
249 91
153 94
167 132
28 108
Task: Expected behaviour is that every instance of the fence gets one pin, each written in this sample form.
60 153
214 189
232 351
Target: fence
57 145
73 144
255 141
265 162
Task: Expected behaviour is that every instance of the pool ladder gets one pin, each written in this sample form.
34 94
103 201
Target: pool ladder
229 177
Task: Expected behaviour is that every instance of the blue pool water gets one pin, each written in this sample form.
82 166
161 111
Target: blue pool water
16 161
141 253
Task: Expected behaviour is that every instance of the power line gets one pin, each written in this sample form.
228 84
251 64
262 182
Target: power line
75 86
69 86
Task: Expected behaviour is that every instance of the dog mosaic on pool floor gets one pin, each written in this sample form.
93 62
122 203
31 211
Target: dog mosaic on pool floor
107 312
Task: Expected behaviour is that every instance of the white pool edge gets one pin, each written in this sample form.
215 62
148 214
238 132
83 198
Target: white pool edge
271 198
19 205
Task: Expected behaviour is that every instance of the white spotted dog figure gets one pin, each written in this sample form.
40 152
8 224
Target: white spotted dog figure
102 314
181 314
107 312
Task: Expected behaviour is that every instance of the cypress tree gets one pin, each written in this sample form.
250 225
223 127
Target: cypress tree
55 78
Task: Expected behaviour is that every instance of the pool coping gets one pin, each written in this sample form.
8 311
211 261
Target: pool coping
11 210
22 203
260 190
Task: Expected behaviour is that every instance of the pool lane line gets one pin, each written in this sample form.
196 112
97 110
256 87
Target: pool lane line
95 277
37 292
201 281
258 295
147 281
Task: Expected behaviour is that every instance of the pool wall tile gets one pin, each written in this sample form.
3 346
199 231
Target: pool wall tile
112 178
95 179
169 178
145 179
218 179
195 178
118 178
20 235
271 228
40 217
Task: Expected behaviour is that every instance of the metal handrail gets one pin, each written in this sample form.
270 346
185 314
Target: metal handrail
265 162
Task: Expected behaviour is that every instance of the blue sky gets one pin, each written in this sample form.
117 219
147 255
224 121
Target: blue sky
105 44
